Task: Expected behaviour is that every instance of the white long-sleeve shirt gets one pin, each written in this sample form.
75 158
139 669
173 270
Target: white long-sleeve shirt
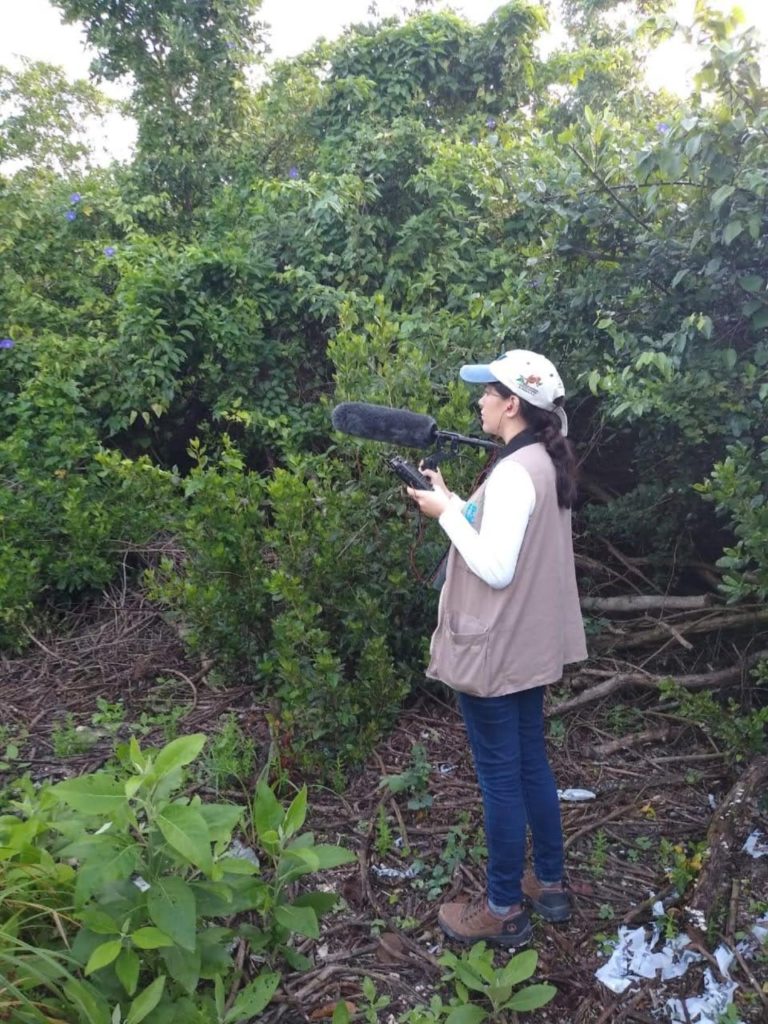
492 551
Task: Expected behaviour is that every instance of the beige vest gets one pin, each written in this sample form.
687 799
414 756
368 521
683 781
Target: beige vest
489 642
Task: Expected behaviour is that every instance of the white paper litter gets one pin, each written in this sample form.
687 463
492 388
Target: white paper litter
242 852
382 871
575 795
706 1009
141 883
756 845
633 958
446 769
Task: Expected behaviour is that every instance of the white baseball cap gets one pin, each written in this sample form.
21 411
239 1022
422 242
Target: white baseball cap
528 375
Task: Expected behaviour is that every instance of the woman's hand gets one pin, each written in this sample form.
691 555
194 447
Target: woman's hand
435 477
431 503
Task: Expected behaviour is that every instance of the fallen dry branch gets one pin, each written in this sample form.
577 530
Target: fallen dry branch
717 620
641 680
635 739
646 602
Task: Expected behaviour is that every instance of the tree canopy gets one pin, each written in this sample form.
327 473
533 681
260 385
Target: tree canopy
419 193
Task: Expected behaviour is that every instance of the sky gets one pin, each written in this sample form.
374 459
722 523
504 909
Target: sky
32 28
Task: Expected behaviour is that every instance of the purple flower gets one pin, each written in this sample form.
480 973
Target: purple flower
293 173
74 198
109 250
70 215
7 343
662 127
490 123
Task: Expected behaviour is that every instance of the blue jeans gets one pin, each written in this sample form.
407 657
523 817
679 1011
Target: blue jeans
506 735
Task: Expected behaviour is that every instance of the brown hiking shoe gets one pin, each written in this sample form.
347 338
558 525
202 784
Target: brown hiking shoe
474 922
552 902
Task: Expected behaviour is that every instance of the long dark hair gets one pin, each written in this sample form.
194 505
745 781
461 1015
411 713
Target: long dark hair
546 428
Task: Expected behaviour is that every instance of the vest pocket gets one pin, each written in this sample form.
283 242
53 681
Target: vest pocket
466 655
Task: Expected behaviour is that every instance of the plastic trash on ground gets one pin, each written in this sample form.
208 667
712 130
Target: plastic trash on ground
575 795
756 845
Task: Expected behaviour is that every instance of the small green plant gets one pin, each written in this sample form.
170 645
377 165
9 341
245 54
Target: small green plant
414 780
383 840
68 740
142 891
681 865
739 734
556 731
640 846
456 850
621 719
598 855
605 943
606 912
109 715
230 757
372 1002
473 972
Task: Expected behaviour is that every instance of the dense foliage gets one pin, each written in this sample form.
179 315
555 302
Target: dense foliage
417 194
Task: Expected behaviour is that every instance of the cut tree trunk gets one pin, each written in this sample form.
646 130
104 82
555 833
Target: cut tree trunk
728 830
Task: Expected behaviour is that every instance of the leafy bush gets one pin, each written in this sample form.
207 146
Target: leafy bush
121 898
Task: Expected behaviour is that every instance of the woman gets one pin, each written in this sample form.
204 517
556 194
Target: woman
509 619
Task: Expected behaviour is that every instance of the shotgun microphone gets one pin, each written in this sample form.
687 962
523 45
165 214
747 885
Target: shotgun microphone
398 427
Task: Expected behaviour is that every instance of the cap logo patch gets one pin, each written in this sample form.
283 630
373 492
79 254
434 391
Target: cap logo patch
531 383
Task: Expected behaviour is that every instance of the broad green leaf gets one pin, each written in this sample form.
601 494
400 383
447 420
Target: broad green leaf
100 794
146 1001
751 282
760 319
298 919
103 955
333 856
150 938
267 812
341 1013
185 830
127 968
732 231
183 966
252 999
294 959
296 813
110 861
171 905
238 866
719 197
520 967
91 1005
321 902
178 752
221 819
99 922
467 1014
532 997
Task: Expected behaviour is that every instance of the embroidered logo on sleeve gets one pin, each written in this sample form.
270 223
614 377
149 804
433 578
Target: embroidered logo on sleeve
470 511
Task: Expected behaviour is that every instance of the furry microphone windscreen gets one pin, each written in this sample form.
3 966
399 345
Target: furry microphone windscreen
399 427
